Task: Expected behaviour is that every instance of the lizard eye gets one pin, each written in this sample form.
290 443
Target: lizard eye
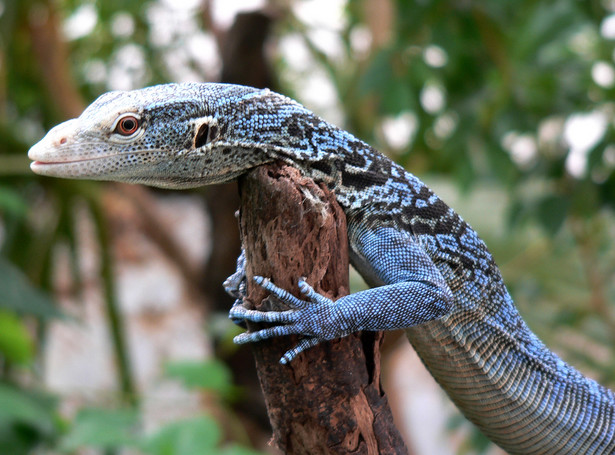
127 125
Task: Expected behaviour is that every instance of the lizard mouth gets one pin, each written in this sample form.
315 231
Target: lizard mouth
37 163
52 163
71 168
75 161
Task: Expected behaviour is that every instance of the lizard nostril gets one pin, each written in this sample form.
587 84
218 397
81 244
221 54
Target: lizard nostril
63 141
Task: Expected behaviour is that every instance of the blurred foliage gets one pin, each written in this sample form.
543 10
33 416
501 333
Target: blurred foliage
28 419
212 375
486 95
114 429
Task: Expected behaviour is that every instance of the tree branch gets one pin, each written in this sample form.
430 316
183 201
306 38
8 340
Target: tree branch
52 54
328 400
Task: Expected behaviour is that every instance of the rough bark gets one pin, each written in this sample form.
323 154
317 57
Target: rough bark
328 400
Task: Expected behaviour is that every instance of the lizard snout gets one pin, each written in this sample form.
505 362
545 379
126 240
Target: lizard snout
52 147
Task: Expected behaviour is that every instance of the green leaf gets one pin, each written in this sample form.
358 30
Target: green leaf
479 441
12 202
238 450
397 98
16 344
379 73
27 420
210 375
551 213
195 436
102 428
26 408
17 294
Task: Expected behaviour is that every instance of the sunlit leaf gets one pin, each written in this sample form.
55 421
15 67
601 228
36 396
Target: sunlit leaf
16 344
198 436
101 428
209 375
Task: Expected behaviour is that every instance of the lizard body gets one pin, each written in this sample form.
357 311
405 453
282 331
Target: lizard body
429 271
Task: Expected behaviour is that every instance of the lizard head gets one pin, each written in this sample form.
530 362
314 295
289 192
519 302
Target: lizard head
172 136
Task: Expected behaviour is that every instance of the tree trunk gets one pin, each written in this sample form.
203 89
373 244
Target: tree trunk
328 400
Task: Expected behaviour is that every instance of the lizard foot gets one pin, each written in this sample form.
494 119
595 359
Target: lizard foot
312 318
393 306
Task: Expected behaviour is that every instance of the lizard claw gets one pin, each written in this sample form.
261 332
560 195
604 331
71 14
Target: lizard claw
280 293
305 344
235 285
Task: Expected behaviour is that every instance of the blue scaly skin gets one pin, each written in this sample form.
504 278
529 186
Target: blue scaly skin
431 274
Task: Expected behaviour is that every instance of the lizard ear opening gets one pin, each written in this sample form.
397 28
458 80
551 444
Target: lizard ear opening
206 132
201 136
